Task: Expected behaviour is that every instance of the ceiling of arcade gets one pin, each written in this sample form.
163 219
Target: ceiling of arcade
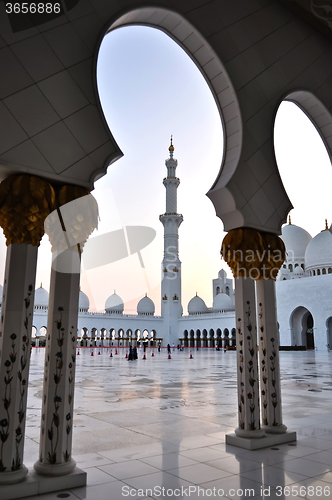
253 54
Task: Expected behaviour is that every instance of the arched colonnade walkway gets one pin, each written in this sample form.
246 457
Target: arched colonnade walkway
54 69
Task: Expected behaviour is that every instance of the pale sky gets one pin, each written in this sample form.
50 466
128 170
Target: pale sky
150 89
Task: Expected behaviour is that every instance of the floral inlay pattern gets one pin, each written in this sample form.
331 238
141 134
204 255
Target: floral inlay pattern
268 370
252 376
53 431
9 364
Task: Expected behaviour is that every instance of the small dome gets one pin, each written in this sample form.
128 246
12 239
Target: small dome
298 270
84 302
196 305
145 306
296 241
221 302
222 274
114 303
319 251
41 297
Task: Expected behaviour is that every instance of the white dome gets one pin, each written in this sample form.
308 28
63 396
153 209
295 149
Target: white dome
84 302
319 251
145 306
41 297
222 301
222 274
296 241
114 303
298 270
196 305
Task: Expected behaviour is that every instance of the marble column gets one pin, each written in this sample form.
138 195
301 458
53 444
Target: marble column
68 228
15 339
247 362
269 357
59 374
25 202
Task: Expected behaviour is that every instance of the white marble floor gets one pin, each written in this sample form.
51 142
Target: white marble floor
156 428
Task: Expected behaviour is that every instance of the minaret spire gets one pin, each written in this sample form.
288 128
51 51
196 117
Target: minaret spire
171 148
171 265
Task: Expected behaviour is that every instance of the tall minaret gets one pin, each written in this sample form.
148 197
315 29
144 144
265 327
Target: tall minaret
171 308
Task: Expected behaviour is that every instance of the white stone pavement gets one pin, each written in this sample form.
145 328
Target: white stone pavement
162 423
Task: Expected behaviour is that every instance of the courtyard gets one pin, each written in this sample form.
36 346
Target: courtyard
161 422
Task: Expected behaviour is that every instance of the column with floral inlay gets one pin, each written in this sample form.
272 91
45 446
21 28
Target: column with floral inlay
269 357
25 202
68 228
236 246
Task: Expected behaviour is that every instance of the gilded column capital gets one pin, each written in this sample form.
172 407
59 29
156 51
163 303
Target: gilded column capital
25 202
254 254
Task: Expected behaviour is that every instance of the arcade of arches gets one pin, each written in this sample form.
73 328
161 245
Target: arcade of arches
253 55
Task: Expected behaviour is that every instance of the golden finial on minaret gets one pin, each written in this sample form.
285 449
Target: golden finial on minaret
80 288
41 285
146 295
289 220
196 294
326 226
171 148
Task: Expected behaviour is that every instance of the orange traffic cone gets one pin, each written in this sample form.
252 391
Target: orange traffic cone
152 353
126 355
99 352
78 352
111 355
116 351
91 353
191 356
169 356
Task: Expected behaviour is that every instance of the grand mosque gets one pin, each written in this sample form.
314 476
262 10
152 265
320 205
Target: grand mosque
303 291
55 143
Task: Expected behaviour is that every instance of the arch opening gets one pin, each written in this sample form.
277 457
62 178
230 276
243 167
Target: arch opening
302 328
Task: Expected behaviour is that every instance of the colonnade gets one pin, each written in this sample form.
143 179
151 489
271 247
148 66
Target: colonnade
210 339
107 339
28 206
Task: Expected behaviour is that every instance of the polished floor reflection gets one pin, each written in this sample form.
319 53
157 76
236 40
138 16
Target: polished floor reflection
156 428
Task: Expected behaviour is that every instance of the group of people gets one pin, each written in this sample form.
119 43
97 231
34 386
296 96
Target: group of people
132 353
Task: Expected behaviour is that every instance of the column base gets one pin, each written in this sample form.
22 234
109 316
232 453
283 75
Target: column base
46 469
33 484
274 429
265 442
257 434
13 476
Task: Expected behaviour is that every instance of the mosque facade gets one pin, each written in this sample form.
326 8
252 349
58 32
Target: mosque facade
304 289
303 293
202 327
